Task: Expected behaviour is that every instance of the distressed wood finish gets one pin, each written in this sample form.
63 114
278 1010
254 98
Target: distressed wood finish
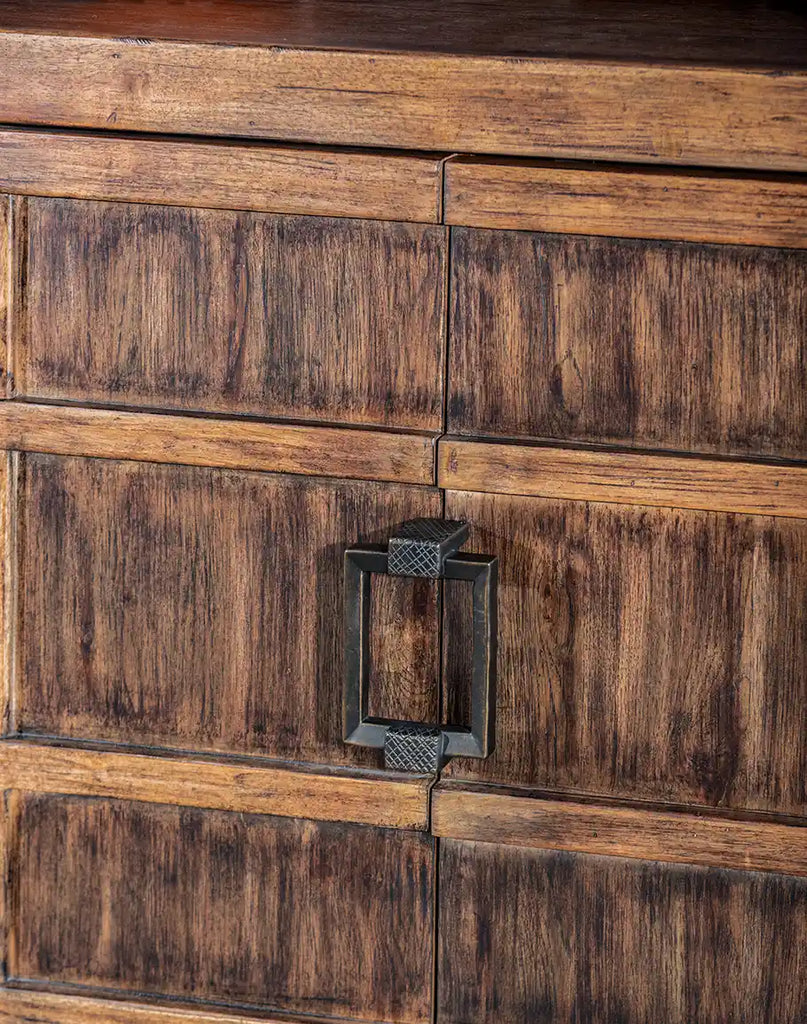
201 608
610 109
643 653
226 443
630 479
17 1005
605 829
600 940
281 179
661 345
220 311
6 286
277 912
382 800
627 202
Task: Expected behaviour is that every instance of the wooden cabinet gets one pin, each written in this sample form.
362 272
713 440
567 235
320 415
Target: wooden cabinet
277 282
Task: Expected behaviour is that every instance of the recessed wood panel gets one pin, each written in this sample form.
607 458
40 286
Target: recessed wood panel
643 652
651 344
277 912
531 937
6 286
312 318
203 608
230 176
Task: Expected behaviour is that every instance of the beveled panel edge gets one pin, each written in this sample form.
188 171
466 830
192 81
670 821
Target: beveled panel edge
666 481
221 175
632 832
288 791
626 203
353 453
34 1006
559 107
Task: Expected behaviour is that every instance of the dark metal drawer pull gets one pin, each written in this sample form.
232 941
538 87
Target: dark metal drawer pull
427 548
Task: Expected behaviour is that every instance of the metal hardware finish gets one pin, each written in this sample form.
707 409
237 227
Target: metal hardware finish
422 547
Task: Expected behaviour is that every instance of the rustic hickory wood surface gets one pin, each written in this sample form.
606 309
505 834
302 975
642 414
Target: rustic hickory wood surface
153 898
227 443
381 800
236 312
650 30
19 1005
528 935
626 202
671 345
644 653
202 608
634 832
608 109
245 176
624 478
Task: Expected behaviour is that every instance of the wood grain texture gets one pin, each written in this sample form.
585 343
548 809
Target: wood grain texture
6 286
203 609
756 33
35 1007
8 590
237 312
290 792
643 653
603 829
630 479
243 176
227 443
531 937
326 918
650 344
626 202
579 109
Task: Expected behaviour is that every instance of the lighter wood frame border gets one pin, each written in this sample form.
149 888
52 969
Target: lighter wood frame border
632 478
632 832
383 801
231 443
627 203
613 110
222 175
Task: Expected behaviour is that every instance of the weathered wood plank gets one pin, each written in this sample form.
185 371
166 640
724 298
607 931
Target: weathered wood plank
634 832
613 110
629 479
226 443
626 202
379 800
229 176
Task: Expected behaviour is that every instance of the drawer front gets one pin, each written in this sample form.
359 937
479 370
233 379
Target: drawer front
317 318
644 652
282 913
202 608
544 937
654 344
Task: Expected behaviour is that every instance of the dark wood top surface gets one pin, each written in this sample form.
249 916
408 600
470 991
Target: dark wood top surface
713 32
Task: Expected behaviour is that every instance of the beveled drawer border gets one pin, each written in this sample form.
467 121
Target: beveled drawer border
626 478
376 799
207 173
228 443
638 833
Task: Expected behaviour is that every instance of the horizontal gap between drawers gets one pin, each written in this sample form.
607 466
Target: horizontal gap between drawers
229 443
628 478
386 801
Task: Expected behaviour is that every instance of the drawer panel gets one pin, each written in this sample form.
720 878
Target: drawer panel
313 917
644 652
202 608
539 937
670 345
239 312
